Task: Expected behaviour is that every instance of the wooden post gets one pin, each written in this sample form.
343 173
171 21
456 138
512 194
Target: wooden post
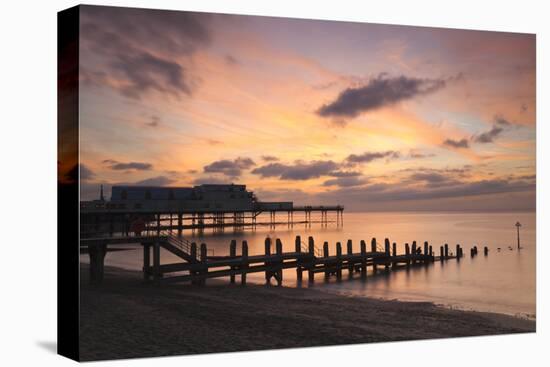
193 253
425 253
431 252
363 259
204 269
413 252
244 264
325 255
387 251
394 254
268 271
373 249
485 251
457 251
180 223
349 246
279 249
156 261
338 260
298 250
158 224
146 261
311 250
446 251
407 254
232 254
441 253
97 253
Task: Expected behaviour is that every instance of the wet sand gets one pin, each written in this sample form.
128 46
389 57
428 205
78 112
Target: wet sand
128 318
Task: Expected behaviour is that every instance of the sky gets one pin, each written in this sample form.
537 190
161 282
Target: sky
373 117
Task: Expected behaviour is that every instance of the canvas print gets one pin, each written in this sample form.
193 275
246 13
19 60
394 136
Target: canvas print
235 183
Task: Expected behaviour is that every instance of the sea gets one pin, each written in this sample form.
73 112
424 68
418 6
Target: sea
504 281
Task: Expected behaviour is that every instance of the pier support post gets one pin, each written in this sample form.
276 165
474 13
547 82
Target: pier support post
373 249
394 254
156 261
485 251
457 252
413 252
146 261
338 260
441 253
311 250
446 251
425 253
325 255
268 272
387 251
97 254
232 254
180 224
244 264
407 254
349 246
204 268
298 250
193 253
431 252
363 259
279 250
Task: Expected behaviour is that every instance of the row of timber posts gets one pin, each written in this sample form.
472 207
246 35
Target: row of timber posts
306 259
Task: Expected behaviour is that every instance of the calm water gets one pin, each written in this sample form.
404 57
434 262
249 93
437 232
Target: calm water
502 282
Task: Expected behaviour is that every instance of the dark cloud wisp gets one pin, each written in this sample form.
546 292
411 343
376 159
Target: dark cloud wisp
231 168
297 171
121 166
379 92
462 143
368 157
137 48
499 126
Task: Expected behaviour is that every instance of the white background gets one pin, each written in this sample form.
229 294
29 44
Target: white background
28 171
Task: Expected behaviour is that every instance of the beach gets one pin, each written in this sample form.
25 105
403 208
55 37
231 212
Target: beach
126 317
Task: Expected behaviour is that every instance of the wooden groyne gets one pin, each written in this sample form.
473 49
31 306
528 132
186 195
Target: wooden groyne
200 264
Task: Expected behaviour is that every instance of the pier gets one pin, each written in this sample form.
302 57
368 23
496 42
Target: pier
199 264
208 206
111 220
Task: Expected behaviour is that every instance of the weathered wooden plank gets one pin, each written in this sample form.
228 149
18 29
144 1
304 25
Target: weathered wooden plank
232 253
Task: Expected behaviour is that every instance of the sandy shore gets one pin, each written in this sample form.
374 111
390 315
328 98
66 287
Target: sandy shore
127 318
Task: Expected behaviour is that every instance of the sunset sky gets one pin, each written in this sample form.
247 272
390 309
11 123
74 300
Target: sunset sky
374 117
